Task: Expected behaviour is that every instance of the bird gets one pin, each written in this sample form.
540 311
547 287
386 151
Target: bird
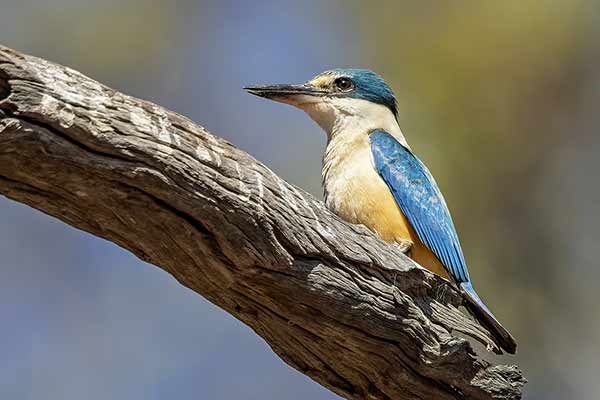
371 176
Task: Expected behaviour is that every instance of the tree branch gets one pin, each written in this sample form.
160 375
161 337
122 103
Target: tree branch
332 300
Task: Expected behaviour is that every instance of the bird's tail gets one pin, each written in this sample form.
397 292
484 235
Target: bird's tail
501 336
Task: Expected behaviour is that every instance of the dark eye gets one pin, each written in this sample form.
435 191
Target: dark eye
344 84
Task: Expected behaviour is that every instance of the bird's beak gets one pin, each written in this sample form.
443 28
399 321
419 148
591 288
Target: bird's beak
290 94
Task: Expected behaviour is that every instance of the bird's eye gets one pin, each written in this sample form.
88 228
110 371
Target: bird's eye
344 84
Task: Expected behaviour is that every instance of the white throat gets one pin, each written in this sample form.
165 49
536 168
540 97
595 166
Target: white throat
347 123
347 118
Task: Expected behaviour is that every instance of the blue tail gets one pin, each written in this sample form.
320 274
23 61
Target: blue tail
502 337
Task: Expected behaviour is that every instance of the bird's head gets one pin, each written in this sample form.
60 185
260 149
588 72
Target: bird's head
338 99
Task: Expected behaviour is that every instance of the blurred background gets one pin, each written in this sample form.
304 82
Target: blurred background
500 99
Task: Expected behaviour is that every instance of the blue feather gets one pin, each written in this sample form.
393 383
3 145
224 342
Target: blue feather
420 200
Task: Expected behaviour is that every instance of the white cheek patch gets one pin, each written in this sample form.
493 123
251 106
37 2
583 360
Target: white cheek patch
345 106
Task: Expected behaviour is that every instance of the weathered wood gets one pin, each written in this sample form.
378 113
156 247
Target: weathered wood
332 300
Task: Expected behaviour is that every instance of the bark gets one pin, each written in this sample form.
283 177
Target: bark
332 300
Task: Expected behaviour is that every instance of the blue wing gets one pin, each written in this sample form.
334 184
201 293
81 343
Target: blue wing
420 200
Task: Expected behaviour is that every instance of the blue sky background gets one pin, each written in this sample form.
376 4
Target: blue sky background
499 99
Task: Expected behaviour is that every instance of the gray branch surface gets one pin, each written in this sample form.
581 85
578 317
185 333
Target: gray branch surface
332 300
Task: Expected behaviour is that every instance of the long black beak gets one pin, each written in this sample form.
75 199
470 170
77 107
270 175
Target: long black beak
281 92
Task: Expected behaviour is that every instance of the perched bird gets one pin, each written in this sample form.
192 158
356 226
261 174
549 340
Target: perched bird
372 177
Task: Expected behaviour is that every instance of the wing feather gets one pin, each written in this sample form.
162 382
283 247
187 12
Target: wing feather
421 201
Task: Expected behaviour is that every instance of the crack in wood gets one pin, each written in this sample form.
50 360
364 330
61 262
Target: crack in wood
4 86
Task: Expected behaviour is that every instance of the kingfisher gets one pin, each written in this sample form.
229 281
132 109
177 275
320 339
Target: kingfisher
372 177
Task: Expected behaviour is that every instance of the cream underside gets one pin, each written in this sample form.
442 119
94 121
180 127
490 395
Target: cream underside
354 190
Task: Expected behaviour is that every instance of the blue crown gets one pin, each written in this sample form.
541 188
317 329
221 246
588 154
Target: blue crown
367 86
